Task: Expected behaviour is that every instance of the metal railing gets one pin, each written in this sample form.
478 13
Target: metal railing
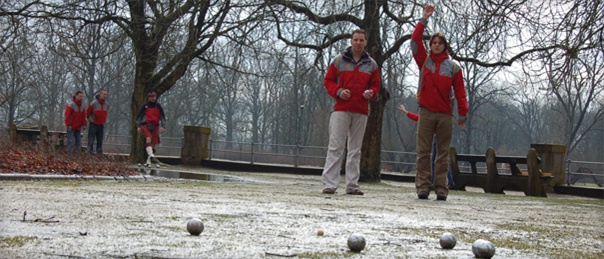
584 173
297 155
397 162
120 144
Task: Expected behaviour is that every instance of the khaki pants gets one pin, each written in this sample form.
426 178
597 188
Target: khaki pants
344 127
432 125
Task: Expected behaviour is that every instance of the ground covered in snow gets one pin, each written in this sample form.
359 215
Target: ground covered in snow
270 215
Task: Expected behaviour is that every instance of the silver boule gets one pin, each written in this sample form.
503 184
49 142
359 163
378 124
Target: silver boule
356 242
483 249
448 241
195 226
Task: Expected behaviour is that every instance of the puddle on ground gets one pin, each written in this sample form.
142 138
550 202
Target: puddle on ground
194 176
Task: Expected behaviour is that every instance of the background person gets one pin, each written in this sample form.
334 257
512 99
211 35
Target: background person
97 116
75 120
439 75
150 122
415 117
352 79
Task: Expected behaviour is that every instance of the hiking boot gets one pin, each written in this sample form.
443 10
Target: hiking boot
441 197
329 191
422 195
355 192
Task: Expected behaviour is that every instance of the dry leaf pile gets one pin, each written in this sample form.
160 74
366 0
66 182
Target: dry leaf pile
32 159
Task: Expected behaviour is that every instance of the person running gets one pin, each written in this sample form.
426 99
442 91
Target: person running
151 122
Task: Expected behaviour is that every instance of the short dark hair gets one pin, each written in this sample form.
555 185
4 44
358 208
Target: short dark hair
78 92
442 38
360 31
151 93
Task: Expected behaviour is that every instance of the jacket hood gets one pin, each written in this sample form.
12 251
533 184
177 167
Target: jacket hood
79 103
439 58
347 54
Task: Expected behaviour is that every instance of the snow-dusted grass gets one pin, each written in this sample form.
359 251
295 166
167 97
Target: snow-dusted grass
277 215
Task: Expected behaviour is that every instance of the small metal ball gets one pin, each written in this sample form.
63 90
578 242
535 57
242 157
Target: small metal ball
195 226
448 241
483 249
356 242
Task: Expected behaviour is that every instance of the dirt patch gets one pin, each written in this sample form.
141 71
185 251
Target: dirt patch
277 215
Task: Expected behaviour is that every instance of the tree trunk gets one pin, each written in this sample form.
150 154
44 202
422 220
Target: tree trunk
372 141
137 148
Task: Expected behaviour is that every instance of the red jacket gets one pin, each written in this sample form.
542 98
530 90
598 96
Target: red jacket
151 112
345 73
75 115
438 76
97 112
412 116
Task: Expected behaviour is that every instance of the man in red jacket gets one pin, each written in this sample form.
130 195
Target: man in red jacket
97 115
352 79
75 120
439 75
150 122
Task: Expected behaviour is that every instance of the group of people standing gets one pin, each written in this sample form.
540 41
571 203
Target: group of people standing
150 123
353 78
77 118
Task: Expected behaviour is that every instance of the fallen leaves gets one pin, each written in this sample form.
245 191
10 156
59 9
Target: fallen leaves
32 159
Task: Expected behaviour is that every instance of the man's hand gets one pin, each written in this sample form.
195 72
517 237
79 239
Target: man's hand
139 130
428 11
368 94
68 128
345 95
161 130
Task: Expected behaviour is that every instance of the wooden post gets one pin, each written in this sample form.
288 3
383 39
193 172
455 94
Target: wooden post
491 171
552 161
534 181
453 162
195 145
44 137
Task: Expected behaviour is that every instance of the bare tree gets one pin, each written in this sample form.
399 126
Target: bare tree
527 108
152 26
335 21
17 82
575 73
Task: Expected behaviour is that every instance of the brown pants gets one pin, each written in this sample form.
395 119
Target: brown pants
429 125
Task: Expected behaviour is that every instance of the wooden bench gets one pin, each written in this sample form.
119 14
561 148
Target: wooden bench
55 139
532 183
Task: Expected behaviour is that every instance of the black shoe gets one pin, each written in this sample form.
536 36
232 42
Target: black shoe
355 192
441 197
422 195
154 160
329 191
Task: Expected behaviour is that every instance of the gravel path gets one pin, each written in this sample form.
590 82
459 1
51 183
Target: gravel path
279 215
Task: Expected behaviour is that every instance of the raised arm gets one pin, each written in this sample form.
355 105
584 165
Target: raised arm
428 11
